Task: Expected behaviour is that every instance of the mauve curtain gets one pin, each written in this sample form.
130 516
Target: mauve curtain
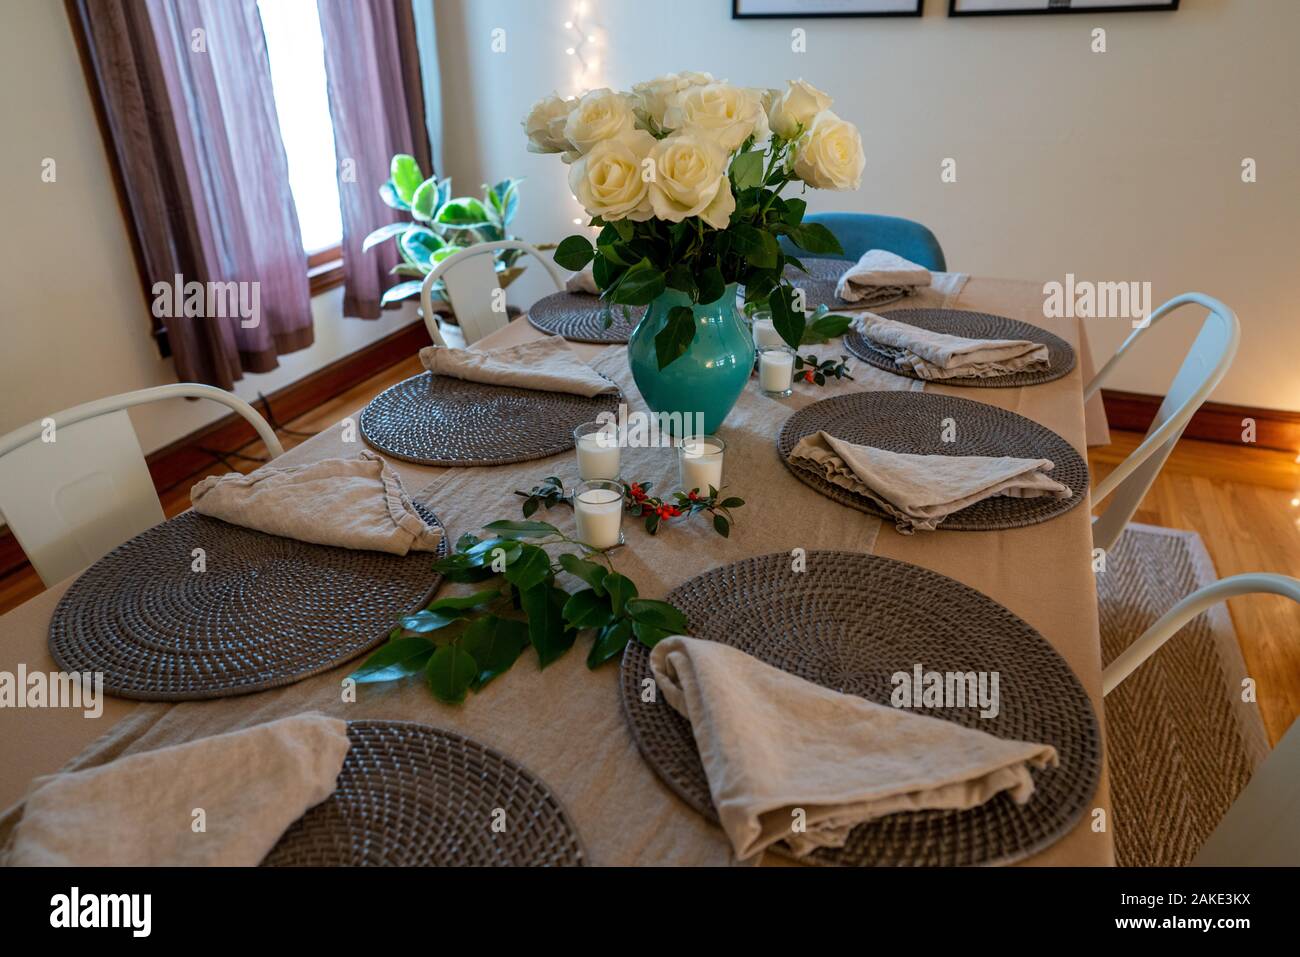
373 69
191 121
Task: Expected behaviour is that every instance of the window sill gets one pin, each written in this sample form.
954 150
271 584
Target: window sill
325 270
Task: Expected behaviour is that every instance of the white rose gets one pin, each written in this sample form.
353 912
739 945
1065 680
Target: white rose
544 124
599 115
796 108
607 181
654 97
690 173
829 155
728 113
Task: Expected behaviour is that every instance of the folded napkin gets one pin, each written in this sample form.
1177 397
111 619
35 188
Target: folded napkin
582 281
920 491
880 273
934 355
772 743
138 811
545 364
352 503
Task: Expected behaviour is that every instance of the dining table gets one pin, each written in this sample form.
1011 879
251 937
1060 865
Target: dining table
566 723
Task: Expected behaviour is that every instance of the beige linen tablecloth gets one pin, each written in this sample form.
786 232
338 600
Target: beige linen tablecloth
565 723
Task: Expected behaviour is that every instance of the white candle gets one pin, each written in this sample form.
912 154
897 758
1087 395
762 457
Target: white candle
766 336
597 456
775 370
701 465
599 512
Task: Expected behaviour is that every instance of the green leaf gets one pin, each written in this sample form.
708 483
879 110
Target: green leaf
586 609
789 323
464 212
721 525
794 211
648 634
388 193
495 645
532 568
543 604
464 602
450 672
482 553
424 201
658 613
423 622
382 233
747 170
504 198
825 327
712 285
397 659
574 252
672 341
419 244
620 589
590 572
815 238
509 529
406 176
641 285
609 643
733 502
758 246
401 291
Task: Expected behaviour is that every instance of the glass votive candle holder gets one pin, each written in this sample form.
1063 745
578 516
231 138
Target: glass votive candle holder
699 462
776 371
765 334
598 452
598 507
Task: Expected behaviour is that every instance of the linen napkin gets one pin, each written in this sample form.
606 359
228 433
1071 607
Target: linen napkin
879 274
920 491
139 811
545 364
582 281
934 355
354 503
772 743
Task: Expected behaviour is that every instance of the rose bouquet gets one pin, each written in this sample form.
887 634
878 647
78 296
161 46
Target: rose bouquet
684 176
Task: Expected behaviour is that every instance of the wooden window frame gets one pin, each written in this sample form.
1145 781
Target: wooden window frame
325 269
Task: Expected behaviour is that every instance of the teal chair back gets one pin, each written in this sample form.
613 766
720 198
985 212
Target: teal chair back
858 232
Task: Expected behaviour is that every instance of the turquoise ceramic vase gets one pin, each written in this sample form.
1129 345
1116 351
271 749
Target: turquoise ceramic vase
709 377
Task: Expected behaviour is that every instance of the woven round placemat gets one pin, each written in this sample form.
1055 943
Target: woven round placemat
581 318
819 282
972 325
849 622
915 422
265 611
438 420
414 796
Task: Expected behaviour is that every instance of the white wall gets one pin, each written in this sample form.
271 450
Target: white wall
74 322
1116 166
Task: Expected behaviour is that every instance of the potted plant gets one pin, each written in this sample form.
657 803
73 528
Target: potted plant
683 176
441 225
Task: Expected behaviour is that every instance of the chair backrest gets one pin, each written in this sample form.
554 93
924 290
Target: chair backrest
858 232
1206 364
470 279
74 486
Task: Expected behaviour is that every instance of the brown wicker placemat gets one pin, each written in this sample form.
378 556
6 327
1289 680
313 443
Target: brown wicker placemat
819 282
438 420
915 422
972 325
414 796
266 611
581 318
849 622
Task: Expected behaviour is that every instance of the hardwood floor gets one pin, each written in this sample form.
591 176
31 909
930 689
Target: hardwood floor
1244 501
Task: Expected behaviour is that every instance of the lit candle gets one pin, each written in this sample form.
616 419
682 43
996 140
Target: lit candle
699 460
765 334
598 453
776 371
598 507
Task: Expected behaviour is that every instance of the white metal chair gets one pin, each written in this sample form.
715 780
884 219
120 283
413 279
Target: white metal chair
74 486
1187 609
470 278
1205 366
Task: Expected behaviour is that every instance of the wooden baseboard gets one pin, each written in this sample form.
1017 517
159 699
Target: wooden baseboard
174 463
1213 422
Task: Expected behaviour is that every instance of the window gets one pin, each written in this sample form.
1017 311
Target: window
293 42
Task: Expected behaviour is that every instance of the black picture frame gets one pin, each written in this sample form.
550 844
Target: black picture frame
1150 7
801 15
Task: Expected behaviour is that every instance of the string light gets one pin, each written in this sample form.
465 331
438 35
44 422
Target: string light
583 40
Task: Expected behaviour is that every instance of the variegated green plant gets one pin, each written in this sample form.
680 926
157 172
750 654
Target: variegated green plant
442 225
